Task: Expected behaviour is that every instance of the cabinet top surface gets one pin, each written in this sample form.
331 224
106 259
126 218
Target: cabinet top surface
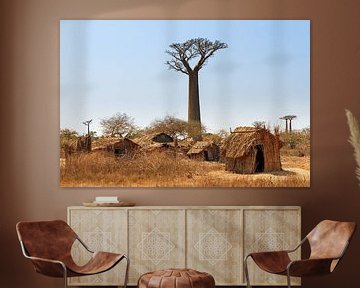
192 207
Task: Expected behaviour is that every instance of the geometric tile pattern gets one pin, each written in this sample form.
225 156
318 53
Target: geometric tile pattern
99 240
156 246
211 239
213 246
214 243
270 230
269 240
156 241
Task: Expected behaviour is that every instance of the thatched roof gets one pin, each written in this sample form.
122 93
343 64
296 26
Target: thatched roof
103 142
241 141
199 147
150 139
186 143
106 142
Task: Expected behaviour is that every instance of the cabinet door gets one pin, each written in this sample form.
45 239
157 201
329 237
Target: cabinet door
271 230
214 244
100 230
156 240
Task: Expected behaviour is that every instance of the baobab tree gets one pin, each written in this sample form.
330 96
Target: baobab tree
288 118
198 51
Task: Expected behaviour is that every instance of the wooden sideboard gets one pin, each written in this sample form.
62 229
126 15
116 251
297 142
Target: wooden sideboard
212 239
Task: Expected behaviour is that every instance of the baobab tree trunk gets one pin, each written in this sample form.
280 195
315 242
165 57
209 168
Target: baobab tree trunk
290 125
286 129
194 119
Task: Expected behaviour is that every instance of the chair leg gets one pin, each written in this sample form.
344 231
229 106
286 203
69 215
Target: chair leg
246 270
288 278
126 271
65 276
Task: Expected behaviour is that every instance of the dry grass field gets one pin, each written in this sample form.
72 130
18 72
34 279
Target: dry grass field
159 169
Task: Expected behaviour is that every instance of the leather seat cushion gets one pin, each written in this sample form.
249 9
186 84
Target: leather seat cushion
176 278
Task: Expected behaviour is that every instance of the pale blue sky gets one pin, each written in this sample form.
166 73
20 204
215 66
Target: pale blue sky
111 66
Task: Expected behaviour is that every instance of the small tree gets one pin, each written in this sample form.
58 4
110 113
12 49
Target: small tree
259 124
170 125
177 128
218 137
67 136
118 125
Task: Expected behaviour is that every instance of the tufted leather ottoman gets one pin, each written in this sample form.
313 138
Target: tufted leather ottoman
176 278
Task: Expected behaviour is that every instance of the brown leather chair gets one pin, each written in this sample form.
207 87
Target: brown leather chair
48 245
328 242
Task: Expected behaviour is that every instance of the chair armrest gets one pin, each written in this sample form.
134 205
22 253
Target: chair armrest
309 267
48 267
267 253
298 246
45 260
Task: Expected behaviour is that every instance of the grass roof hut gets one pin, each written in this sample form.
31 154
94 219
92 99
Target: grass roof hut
248 150
118 147
204 151
155 141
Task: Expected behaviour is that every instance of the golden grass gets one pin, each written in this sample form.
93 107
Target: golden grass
295 162
159 169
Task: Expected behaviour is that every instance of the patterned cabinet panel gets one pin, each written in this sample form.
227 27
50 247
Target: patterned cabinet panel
209 239
101 230
214 244
156 240
269 230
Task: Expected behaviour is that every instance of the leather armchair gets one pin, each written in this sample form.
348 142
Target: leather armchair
328 243
48 245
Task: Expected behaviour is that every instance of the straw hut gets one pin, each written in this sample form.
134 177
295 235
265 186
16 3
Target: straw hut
249 150
156 141
204 151
118 147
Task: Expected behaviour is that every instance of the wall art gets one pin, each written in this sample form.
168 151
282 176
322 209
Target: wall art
185 103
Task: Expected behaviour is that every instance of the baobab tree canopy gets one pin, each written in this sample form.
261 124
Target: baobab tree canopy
197 48
197 51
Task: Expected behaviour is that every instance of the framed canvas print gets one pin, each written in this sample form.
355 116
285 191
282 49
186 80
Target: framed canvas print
185 103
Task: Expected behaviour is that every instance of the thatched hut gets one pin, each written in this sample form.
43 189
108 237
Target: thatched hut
204 151
118 147
155 141
152 138
249 150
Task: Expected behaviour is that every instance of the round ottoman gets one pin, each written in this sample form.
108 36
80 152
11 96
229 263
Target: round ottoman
176 278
